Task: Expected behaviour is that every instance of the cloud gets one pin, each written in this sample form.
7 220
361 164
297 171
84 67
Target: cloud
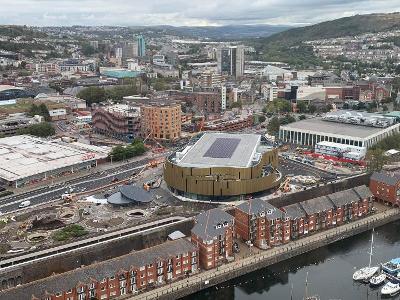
184 12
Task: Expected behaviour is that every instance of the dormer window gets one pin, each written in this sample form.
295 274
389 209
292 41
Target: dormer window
270 211
262 214
225 224
218 226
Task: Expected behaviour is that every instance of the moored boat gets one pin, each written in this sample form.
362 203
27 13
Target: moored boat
392 266
390 289
377 280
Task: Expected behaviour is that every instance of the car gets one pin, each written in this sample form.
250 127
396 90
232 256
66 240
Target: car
24 204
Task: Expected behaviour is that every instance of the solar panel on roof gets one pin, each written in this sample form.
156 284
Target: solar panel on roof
222 148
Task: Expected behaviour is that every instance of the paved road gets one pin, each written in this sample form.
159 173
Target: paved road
80 184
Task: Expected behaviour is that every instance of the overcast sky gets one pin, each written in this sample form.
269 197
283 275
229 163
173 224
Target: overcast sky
184 12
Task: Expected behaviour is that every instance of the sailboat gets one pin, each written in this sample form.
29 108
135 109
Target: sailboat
306 297
366 273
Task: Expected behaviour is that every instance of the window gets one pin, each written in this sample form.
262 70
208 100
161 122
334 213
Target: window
69 291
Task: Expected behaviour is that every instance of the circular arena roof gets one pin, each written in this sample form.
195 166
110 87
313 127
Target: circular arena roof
130 194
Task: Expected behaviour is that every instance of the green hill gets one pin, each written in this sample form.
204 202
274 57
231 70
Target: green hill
287 46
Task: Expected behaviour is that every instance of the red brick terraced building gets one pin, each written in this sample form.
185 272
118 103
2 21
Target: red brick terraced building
297 220
262 224
386 187
213 235
108 279
319 212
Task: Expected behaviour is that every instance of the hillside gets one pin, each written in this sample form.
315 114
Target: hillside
284 46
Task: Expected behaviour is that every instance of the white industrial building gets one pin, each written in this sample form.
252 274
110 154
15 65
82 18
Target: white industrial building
361 130
340 150
25 159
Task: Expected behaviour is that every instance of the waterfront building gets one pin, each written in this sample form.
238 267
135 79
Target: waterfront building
297 220
220 166
351 204
385 187
161 121
127 274
261 224
213 234
119 121
319 214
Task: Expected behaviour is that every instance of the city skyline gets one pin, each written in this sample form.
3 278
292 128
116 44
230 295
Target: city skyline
183 13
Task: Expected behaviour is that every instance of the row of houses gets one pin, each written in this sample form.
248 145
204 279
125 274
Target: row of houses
262 225
212 243
116 277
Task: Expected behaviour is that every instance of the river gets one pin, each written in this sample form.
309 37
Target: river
330 272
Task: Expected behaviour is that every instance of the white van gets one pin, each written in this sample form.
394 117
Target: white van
24 204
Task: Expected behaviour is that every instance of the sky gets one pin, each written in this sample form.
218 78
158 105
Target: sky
185 12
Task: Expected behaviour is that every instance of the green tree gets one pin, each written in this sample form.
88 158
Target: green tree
120 152
302 117
43 129
237 104
92 95
302 107
273 126
261 119
376 159
312 108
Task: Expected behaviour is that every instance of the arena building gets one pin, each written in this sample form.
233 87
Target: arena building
222 166
26 159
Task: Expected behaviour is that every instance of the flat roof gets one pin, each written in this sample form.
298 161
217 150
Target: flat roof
23 156
320 126
222 150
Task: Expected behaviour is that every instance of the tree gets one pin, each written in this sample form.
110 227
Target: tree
125 152
236 104
44 129
385 108
302 107
261 119
312 108
273 126
92 95
376 159
302 117
88 50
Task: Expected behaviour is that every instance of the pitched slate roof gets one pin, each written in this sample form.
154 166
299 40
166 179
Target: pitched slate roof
316 205
385 177
209 224
257 206
294 211
69 280
363 191
343 198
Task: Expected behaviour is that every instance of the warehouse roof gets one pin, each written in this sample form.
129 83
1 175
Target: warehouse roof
221 150
23 156
321 127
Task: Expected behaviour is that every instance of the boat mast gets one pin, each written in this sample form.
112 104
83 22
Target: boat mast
306 289
370 252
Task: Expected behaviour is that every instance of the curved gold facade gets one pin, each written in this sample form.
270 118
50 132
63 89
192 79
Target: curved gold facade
215 182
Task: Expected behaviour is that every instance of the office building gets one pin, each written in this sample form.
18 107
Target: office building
141 44
231 61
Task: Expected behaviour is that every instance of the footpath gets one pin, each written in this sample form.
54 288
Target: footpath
264 258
